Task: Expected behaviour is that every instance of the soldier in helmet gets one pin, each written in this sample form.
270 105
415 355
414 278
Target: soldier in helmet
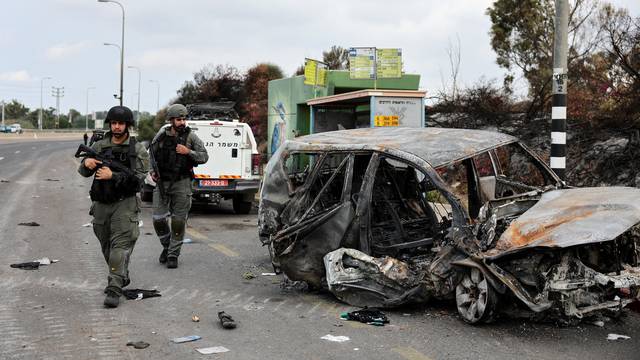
175 150
115 207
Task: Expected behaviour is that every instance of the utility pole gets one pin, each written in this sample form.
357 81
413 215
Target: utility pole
2 113
57 92
557 161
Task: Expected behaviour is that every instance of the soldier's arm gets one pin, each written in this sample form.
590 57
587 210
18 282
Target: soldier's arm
83 170
198 152
142 162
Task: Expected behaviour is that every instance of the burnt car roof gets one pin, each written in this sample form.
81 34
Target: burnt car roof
437 146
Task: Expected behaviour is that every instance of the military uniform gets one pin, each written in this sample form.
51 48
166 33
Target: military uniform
172 195
116 208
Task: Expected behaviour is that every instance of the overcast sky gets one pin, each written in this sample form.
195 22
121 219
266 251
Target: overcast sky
170 40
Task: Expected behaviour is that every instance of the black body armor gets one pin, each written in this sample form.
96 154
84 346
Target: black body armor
125 184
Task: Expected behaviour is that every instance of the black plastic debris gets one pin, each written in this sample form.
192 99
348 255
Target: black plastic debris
371 316
4 181
138 344
30 265
32 223
52 179
139 294
226 320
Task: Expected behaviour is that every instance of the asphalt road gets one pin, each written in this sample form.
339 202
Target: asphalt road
56 312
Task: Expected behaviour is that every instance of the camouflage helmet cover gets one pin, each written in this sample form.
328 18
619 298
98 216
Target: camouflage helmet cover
176 111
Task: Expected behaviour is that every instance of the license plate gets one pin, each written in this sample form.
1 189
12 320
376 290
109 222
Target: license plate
214 182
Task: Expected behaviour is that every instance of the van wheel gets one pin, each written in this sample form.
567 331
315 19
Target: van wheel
476 299
240 206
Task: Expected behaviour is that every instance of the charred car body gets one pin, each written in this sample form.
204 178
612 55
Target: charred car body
388 216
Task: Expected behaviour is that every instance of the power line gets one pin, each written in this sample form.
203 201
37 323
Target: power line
57 92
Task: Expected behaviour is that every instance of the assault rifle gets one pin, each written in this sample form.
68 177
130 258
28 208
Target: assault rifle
107 159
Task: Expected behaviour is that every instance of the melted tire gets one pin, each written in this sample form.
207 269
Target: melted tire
476 299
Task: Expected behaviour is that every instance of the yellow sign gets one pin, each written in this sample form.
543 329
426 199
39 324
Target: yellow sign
310 70
386 120
389 63
362 63
315 72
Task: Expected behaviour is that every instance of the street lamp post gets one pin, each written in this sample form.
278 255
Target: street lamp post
139 77
40 111
86 114
121 47
158 100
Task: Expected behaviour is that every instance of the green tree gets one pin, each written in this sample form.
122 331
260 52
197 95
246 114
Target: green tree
522 37
15 110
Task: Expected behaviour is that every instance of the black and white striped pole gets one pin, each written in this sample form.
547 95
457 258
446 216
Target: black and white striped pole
558 158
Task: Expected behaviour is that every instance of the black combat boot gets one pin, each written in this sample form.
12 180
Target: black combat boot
112 300
172 262
163 257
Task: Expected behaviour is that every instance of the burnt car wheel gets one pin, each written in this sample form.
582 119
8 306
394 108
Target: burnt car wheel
475 298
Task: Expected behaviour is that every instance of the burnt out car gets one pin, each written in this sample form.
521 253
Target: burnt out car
389 216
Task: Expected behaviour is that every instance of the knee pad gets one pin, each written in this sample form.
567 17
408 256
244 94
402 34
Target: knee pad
178 226
161 225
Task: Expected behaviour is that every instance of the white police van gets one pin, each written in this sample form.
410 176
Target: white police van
234 167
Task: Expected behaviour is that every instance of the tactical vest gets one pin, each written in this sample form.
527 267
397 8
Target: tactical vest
110 191
171 165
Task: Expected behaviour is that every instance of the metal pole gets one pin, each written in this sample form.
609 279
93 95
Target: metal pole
121 49
3 113
86 114
139 77
40 111
557 160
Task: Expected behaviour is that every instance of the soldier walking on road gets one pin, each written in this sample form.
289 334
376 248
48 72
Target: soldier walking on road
174 152
115 207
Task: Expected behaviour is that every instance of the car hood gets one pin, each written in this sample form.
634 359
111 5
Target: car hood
569 217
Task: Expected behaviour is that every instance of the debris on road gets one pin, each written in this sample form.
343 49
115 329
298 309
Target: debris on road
248 275
4 181
335 338
212 350
31 265
185 339
32 223
46 261
369 316
139 294
87 224
35 196
187 241
138 344
614 337
226 320
268 274
598 323
195 318
140 224
48 179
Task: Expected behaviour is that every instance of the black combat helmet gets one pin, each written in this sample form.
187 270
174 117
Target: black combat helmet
121 113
